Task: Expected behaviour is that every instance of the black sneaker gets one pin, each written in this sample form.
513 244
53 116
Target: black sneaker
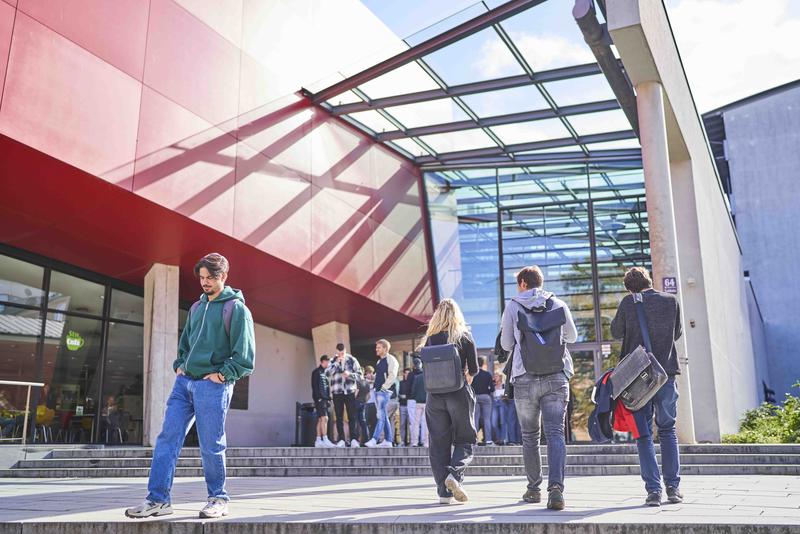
555 500
653 499
532 496
674 495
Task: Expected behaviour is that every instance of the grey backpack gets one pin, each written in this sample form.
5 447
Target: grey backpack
227 312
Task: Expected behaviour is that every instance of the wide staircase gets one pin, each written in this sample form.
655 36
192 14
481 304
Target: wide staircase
582 460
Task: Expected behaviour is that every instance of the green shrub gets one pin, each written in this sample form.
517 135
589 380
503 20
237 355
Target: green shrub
770 423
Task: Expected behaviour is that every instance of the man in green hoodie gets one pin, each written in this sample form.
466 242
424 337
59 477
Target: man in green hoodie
216 349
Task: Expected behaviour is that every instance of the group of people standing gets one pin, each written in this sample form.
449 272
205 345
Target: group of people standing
217 348
372 393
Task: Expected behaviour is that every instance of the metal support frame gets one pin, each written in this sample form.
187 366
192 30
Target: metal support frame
481 22
631 156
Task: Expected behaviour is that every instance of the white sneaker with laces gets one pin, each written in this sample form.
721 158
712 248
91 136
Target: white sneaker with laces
456 489
355 444
214 508
319 444
149 509
371 443
385 444
341 444
327 443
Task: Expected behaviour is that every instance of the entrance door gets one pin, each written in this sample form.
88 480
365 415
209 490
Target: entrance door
580 405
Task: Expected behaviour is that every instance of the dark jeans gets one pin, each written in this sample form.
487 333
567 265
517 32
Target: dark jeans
665 408
340 402
499 418
452 434
544 396
512 422
361 410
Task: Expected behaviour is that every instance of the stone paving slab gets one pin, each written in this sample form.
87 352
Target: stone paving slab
731 504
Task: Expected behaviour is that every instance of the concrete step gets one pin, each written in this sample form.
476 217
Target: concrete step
381 471
400 461
147 452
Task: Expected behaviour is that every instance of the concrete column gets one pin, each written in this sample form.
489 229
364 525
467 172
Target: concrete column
661 217
326 336
160 345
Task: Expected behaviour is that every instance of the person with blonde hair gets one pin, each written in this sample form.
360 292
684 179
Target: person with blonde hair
451 416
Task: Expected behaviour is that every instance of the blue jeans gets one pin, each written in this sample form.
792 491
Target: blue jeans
483 415
546 396
499 418
383 424
208 402
665 408
512 422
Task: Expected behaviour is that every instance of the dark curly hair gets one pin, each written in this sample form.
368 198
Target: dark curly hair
214 262
637 279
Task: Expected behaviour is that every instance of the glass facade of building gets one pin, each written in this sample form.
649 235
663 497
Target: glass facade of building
80 335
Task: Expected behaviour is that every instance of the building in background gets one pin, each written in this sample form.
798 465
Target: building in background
353 179
756 144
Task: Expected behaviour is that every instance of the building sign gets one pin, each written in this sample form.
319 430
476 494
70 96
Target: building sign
670 284
74 341
605 349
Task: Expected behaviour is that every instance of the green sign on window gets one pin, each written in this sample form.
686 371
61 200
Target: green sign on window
74 341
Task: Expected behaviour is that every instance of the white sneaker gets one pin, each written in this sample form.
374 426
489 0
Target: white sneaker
341 444
371 443
328 444
385 444
148 509
445 500
456 488
214 508
319 444
489 443
355 444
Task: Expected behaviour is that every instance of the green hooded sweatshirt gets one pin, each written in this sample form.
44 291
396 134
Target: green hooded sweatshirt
205 346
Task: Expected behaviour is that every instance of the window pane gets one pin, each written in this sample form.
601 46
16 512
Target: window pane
20 282
69 293
127 306
19 339
71 361
121 410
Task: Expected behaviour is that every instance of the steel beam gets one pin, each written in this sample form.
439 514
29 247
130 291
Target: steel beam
526 116
465 29
618 157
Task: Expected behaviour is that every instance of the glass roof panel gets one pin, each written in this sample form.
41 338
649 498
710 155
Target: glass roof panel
348 97
481 56
526 132
457 141
548 37
507 101
428 113
615 145
409 78
603 121
374 121
468 13
580 90
570 148
410 146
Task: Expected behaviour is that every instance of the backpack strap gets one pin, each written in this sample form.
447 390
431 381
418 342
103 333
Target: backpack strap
638 303
227 314
194 307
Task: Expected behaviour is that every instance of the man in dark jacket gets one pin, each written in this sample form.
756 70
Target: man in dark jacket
663 317
321 394
217 348
416 405
483 386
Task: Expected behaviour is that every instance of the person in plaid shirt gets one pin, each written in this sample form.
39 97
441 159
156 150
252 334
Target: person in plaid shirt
343 372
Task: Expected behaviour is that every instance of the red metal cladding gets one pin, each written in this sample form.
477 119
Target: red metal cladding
51 208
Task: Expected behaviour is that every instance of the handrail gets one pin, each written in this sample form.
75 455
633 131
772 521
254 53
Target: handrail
27 402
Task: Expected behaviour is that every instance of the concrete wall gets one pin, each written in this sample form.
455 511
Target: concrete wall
282 377
722 366
763 150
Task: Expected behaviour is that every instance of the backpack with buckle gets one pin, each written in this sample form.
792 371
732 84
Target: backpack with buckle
638 377
442 366
541 346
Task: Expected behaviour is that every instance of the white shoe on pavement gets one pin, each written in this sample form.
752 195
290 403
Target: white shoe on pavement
456 488
385 444
341 444
319 444
371 443
149 509
355 444
328 444
445 500
214 508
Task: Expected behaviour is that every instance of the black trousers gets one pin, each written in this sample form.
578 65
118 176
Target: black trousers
348 401
452 434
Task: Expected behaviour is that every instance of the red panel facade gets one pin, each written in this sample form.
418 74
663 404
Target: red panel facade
175 104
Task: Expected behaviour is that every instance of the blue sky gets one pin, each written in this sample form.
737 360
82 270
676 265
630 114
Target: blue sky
730 48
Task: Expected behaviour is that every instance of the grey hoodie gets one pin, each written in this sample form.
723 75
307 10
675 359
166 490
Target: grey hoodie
510 336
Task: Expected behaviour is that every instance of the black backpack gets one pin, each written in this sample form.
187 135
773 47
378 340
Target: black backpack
541 346
443 370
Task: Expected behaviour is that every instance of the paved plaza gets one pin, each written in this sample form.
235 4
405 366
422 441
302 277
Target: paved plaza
594 504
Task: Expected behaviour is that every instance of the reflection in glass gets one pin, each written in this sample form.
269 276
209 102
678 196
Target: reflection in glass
20 282
123 386
127 306
580 386
20 331
72 294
